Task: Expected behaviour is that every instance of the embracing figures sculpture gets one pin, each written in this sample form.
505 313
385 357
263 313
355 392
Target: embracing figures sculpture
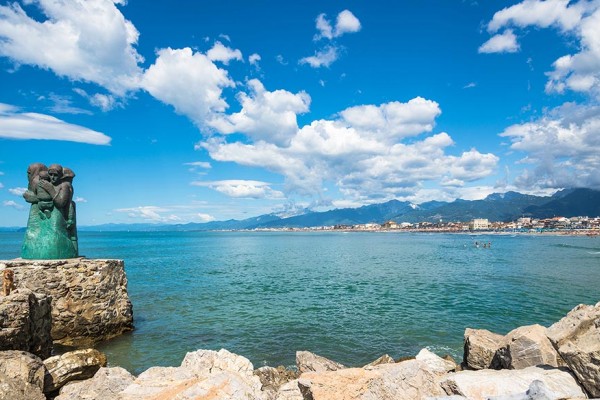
51 228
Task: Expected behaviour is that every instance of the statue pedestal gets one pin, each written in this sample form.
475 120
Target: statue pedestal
89 299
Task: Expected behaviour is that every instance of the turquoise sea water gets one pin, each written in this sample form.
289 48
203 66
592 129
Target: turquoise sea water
348 296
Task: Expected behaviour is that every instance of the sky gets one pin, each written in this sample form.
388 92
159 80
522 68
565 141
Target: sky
192 111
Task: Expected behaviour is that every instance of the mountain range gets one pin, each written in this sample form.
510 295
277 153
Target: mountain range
496 207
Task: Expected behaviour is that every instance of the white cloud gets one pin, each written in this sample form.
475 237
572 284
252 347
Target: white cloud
265 115
18 125
254 59
83 40
562 148
502 43
63 105
79 199
346 23
18 191
248 189
580 71
322 58
362 153
470 85
188 81
202 217
220 52
13 204
150 213
200 164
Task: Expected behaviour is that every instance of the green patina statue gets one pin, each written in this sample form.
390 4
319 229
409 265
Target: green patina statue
51 228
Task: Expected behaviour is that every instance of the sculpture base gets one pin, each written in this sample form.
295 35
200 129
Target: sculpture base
89 298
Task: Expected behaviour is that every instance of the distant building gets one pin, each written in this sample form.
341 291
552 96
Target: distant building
390 225
479 224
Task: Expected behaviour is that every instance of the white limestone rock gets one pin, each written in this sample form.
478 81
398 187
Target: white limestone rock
480 347
310 362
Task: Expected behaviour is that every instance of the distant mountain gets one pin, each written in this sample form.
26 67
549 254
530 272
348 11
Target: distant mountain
496 207
569 203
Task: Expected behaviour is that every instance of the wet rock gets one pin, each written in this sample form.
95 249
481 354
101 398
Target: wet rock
72 366
308 362
25 322
480 347
483 384
384 359
577 339
527 346
106 384
89 297
273 378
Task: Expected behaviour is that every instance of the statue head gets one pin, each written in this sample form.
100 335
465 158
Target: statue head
68 174
56 172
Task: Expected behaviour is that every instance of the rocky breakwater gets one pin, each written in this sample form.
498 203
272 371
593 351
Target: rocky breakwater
88 297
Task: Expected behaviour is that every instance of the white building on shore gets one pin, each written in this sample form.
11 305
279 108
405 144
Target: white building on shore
479 224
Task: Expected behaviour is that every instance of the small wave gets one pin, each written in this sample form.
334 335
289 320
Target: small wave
593 252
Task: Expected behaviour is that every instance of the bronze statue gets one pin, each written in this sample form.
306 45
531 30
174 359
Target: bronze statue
51 228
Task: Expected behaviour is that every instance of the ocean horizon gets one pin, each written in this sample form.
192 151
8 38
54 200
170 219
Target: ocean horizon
348 296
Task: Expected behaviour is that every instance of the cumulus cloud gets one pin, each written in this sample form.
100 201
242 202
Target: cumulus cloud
322 58
190 82
224 54
202 217
265 115
18 191
363 152
346 22
502 43
579 72
562 149
13 204
82 40
80 199
150 213
199 164
254 59
15 124
247 189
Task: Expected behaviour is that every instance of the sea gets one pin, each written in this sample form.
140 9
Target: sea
348 296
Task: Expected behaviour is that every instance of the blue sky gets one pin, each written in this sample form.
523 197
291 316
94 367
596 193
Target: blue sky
184 111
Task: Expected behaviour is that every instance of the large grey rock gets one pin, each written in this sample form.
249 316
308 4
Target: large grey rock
89 297
72 366
15 389
22 366
537 391
412 379
527 346
273 378
25 322
106 384
480 347
203 374
308 362
577 339
480 385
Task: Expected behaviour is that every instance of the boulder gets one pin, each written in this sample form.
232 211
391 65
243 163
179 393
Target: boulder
25 322
480 347
537 391
273 378
106 384
309 362
15 389
577 339
384 359
89 297
288 391
22 366
204 374
412 379
526 346
435 363
72 366
483 384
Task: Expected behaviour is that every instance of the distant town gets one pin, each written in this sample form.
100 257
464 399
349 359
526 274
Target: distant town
574 225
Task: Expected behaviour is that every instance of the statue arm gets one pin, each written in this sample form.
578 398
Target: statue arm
63 196
30 197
